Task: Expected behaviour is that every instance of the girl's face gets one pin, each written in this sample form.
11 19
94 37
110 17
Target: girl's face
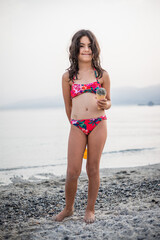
85 52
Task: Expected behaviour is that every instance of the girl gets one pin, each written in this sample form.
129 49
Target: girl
87 117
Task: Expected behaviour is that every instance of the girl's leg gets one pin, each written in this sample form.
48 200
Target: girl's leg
76 146
96 142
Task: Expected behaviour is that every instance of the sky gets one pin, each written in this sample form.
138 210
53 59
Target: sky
36 34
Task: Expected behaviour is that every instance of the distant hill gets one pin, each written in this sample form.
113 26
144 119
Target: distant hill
131 95
54 102
119 96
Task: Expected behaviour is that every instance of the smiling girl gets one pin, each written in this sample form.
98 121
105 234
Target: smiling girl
87 118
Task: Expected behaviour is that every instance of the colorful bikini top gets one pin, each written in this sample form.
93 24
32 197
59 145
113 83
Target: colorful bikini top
77 89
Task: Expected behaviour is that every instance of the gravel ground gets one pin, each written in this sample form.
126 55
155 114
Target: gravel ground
127 207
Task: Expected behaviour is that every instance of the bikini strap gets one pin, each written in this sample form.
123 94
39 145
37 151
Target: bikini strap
96 75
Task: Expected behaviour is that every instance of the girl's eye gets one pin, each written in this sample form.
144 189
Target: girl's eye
83 46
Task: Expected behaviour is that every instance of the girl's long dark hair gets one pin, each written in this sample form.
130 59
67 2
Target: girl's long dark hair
74 51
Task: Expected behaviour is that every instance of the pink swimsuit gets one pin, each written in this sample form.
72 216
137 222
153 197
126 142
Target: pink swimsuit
78 89
86 125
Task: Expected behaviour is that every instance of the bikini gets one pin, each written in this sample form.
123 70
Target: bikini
86 125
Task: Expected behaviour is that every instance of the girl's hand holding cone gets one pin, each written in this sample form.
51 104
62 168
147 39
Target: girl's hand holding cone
101 97
102 104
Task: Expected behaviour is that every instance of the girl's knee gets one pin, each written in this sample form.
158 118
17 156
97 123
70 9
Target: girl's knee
92 171
73 174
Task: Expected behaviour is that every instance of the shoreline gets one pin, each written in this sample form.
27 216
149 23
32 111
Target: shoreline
127 207
46 172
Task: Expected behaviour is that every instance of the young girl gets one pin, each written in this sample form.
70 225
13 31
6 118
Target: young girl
87 117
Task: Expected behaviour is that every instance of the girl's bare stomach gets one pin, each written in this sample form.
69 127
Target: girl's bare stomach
85 106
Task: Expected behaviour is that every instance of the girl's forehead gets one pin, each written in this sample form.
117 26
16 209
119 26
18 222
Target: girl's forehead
84 39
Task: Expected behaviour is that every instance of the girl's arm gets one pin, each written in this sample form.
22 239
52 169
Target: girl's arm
66 94
106 103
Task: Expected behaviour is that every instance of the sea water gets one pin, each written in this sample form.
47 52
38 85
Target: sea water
33 142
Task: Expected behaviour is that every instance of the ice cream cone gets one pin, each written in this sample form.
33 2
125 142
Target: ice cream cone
100 94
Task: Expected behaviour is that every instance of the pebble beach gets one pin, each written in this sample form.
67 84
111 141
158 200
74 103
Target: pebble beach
127 207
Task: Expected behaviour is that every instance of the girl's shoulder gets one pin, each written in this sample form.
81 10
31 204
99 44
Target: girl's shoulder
65 79
105 74
65 75
105 77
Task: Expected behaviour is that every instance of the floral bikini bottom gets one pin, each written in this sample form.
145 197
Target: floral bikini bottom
87 125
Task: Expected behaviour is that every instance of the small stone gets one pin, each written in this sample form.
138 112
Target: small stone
66 238
61 191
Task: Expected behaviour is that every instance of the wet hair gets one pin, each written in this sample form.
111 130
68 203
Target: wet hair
74 52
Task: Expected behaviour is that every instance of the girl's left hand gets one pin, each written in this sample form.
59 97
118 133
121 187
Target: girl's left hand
102 104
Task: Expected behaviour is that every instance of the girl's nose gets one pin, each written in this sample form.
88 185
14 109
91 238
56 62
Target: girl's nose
86 48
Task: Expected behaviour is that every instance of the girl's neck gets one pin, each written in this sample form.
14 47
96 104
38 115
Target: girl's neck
85 67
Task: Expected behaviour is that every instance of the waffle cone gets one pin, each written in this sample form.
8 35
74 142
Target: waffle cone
100 97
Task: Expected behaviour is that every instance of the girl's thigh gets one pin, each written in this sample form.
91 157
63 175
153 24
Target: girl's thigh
96 141
76 147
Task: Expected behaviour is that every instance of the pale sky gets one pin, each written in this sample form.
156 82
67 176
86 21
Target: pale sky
36 34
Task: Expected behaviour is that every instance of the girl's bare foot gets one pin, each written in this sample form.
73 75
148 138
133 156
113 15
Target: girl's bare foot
65 213
89 216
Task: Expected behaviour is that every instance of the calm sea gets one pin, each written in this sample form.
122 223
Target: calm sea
33 143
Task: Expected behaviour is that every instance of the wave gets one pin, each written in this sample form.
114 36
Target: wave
133 150
129 150
27 167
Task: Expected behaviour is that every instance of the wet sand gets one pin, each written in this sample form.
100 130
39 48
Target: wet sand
127 207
